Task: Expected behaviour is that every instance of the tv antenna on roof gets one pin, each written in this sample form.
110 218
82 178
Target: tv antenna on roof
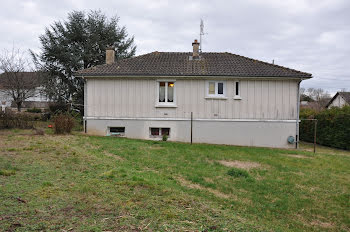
201 33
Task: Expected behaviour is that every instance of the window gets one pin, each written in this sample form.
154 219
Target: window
154 131
166 93
159 132
211 88
117 131
165 131
216 89
237 90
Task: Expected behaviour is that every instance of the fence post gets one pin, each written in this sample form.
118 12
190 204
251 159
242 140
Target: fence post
315 135
191 125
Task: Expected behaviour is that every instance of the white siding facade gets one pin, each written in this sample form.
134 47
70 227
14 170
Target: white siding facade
264 116
137 98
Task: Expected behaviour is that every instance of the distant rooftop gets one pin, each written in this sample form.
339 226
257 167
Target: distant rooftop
344 95
25 77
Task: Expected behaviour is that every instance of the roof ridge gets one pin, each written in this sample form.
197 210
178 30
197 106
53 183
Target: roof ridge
273 65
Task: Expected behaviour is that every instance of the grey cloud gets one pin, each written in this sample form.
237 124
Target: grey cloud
307 35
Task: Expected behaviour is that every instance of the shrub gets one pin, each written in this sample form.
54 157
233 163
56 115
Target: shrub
34 110
63 124
58 107
333 127
46 116
236 172
22 120
39 131
165 138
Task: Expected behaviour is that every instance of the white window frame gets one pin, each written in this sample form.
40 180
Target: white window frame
121 134
237 96
166 104
159 132
216 95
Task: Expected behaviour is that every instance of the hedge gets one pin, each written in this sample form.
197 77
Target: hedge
333 127
22 120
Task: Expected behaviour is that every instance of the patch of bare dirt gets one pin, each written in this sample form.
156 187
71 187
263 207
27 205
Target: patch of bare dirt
298 156
316 222
155 147
117 157
191 185
239 164
319 223
209 180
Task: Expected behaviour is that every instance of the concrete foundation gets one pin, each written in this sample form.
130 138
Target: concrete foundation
240 132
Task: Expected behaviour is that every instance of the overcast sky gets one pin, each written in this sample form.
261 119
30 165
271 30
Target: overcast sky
307 35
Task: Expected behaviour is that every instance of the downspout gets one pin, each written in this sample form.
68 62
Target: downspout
85 105
297 119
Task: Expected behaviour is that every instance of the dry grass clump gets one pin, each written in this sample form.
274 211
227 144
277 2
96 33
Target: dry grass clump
239 164
192 185
298 156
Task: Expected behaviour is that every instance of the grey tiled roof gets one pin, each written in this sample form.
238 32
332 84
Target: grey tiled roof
180 64
346 96
26 78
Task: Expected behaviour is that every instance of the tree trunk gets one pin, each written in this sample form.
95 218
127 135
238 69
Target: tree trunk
19 106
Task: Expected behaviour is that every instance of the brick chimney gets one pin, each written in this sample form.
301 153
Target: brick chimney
110 55
195 46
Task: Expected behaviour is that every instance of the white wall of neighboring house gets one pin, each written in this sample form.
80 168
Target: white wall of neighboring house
339 101
264 114
6 101
39 96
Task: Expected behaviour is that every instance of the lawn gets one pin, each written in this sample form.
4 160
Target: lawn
87 183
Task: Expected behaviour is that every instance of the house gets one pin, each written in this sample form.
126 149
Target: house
340 99
37 100
219 98
5 100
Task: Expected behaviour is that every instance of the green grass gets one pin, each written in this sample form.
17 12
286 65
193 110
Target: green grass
87 183
236 172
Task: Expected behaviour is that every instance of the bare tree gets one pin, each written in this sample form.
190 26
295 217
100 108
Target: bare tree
320 97
17 82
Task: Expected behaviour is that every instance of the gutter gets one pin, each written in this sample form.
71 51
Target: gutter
203 77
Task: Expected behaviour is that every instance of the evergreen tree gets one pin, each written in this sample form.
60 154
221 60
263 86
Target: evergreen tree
78 43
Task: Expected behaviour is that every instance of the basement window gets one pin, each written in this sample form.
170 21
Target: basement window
165 131
154 131
117 131
159 132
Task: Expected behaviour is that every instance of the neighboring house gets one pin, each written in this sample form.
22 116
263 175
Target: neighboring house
38 99
233 99
5 101
340 99
43 105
